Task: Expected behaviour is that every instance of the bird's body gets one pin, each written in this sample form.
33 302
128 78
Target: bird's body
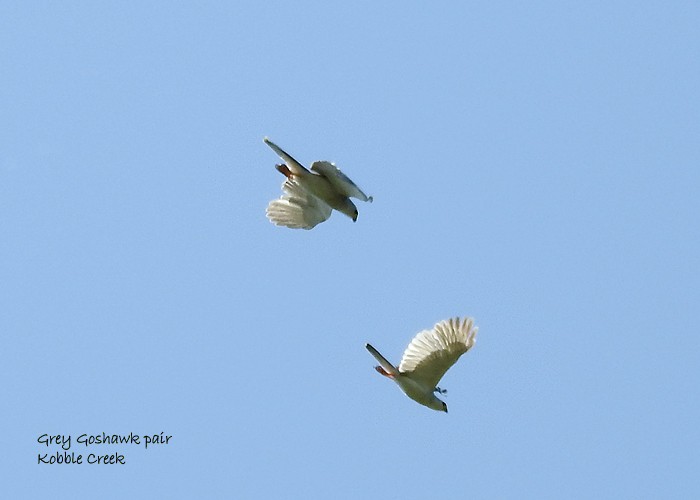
310 195
426 359
320 187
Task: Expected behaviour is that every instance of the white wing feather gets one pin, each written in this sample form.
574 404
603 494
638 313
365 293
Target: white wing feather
339 180
432 352
297 209
293 165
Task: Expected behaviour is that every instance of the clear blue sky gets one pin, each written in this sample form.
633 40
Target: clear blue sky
533 165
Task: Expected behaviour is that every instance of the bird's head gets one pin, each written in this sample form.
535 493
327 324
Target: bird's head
435 404
349 209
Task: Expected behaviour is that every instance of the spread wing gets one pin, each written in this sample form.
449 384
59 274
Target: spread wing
339 180
385 364
293 165
432 352
297 209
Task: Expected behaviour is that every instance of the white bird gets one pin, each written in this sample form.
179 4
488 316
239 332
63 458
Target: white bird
426 359
310 196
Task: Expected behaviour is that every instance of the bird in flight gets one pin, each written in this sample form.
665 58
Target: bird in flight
310 196
426 359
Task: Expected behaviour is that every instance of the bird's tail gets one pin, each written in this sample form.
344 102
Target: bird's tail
294 166
386 368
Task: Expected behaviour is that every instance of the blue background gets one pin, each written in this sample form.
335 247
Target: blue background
534 165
